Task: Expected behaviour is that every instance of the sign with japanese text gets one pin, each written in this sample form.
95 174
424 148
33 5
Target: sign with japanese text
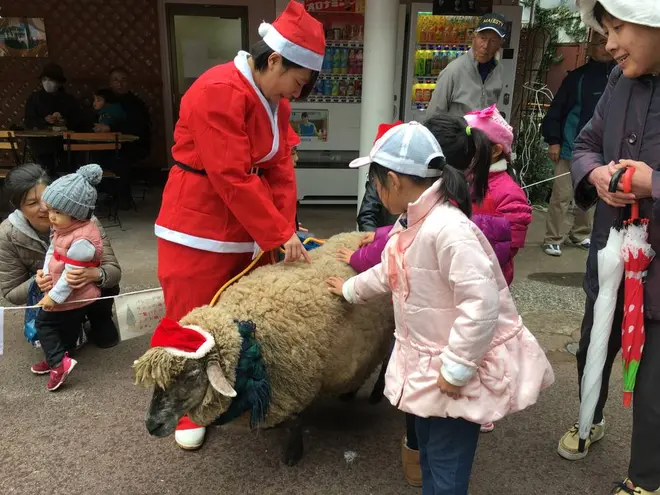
320 6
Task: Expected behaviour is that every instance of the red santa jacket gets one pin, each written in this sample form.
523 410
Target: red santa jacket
226 130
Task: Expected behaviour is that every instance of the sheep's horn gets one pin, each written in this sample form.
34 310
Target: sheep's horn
218 380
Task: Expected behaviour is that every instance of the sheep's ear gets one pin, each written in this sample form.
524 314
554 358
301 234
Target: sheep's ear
218 380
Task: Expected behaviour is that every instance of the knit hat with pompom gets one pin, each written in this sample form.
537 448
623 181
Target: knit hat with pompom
75 194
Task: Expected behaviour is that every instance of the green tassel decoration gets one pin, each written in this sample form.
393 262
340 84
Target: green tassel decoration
252 385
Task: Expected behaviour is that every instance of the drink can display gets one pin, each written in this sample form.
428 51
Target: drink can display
344 61
327 60
427 93
350 89
336 61
358 88
335 88
327 87
342 88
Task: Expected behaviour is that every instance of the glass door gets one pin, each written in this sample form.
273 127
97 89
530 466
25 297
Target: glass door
200 37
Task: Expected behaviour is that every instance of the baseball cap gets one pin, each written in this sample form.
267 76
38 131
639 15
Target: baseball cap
404 148
495 22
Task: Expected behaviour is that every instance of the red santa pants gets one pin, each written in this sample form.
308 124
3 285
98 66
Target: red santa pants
191 277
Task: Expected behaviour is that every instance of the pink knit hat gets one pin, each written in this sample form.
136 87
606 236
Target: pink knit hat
490 122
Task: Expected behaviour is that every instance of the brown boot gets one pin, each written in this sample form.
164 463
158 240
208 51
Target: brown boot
410 460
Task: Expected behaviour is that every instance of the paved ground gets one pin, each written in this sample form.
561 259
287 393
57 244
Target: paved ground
89 438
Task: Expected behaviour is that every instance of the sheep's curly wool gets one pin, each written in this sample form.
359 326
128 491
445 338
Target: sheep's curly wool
157 367
312 342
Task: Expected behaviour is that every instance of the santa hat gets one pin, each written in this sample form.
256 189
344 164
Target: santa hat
185 341
297 36
292 138
383 128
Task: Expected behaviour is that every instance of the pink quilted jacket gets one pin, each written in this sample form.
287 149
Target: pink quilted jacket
454 315
505 198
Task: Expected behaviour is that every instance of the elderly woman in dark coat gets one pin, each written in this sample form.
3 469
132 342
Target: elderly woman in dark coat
24 239
624 131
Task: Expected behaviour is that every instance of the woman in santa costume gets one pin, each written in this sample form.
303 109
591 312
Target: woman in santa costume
232 191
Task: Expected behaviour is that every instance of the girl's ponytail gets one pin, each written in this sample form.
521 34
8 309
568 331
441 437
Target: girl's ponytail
480 165
454 188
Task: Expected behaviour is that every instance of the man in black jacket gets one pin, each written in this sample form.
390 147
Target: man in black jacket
137 123
51 106
571 109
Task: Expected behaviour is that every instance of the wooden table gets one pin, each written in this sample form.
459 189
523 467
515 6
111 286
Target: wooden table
47 133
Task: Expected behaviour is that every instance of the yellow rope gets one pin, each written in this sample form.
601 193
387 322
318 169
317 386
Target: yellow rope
236 278
253 264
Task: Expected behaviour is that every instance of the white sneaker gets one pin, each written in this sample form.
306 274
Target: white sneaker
552 249
191 439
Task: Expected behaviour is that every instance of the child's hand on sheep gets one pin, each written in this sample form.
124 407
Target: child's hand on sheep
335 285
367 239
344 255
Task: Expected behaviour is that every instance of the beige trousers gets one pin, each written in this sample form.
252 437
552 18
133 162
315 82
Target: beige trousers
562 195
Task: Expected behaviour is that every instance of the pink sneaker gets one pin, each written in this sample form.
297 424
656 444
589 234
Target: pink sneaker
487 427
41 368
59 374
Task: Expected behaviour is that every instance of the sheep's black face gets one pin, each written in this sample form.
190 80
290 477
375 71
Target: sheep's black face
184 392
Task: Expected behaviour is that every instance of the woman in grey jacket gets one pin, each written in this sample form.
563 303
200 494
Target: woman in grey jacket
624 131
24 239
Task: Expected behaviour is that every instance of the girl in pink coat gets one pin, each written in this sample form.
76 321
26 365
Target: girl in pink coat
504 199
462 356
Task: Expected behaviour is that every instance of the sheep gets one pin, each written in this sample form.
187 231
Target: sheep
303 343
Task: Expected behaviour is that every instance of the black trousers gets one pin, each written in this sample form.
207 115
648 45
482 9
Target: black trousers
57 331
103 332
644 469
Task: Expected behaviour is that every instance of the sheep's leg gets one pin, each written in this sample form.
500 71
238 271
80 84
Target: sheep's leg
293 449
379 386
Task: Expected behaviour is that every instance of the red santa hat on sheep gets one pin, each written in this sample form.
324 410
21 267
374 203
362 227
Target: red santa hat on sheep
188 341
297 36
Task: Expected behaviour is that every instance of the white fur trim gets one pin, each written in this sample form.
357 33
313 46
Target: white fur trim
241 63
295 53
203 350
498 166
203 243
264 27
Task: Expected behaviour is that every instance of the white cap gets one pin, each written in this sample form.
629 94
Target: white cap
404 148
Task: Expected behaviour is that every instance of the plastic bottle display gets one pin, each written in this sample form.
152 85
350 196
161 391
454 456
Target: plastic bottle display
429 63
445 29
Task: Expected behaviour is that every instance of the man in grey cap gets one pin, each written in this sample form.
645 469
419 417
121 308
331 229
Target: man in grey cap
474 80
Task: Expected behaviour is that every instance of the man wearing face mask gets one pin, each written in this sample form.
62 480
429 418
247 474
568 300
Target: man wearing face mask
50 106
473 80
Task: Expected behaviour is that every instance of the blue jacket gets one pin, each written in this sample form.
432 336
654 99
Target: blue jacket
574 104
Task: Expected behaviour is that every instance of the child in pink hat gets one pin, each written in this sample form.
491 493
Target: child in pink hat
504 197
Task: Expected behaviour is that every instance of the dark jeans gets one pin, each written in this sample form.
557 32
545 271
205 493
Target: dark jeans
57 331
411 432
447 447
644 468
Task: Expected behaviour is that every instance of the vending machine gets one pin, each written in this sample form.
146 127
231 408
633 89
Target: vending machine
328 121
437 40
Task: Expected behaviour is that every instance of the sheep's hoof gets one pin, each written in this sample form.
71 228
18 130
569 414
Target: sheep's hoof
293 450
293 453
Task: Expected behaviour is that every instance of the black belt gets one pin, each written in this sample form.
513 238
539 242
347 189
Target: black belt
197 171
